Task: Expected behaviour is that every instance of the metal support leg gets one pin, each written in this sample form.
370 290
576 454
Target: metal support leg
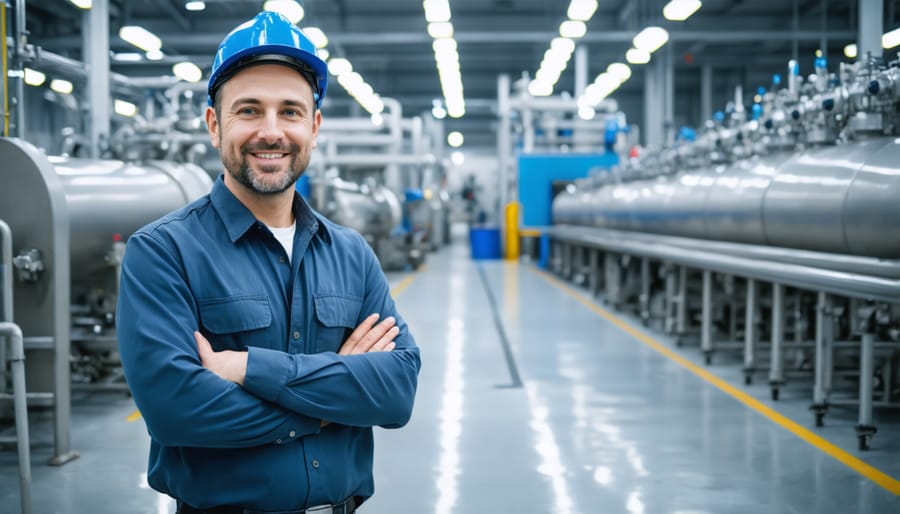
613 280
671 300
824 339
645 291
865 429
750 332
594 271
776 371
681 306
706 342
17 362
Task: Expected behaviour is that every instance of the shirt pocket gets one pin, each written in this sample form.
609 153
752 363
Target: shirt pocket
336 318
236 322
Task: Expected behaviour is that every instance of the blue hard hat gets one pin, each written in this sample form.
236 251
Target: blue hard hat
268 38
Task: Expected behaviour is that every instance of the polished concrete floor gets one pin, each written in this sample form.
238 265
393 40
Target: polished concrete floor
533 399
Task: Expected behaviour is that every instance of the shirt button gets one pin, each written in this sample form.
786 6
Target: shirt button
278 441
292 434
296 335
315 464
282 259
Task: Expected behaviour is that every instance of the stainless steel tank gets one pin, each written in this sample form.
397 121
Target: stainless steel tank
369 208
109 200
840 199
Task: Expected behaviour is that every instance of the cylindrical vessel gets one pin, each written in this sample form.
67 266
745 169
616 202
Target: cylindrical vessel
109 200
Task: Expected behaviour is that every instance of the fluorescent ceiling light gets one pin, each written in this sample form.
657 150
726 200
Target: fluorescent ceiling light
582 10
377 119
563 44
680 10
540 88
436 10
457 158
651 39
195 6
62 86
289 8
440 29
81 4
850 51
339 66
187 71
34 77
154 55
455 139
316 35
572 29
127 56
123 108
637 56
140 37
891 39
619 70
586 113
323 53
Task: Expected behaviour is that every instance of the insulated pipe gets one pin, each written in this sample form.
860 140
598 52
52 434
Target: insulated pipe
6 287
20 35
13 333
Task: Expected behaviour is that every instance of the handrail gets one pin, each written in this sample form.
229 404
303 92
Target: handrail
17 362
846 283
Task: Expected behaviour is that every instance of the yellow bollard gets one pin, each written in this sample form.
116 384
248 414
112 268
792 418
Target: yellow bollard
512 230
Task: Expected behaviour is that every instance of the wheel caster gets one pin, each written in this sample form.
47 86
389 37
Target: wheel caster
820 419
678 342
864 434
774 394
748 379
707 358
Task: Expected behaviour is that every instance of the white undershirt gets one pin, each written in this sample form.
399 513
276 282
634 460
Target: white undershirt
285 236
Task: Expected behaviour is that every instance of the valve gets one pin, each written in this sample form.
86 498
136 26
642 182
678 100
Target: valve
29 265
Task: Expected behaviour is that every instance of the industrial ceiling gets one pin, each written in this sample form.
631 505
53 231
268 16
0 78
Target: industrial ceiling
743 42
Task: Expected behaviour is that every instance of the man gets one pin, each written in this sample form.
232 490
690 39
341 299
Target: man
259 339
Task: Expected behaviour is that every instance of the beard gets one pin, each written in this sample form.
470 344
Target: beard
269 180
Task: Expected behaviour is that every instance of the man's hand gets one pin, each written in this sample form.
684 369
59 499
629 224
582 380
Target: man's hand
227 364
369 337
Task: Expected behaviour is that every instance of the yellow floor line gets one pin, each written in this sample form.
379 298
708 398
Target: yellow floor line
874 474
136 415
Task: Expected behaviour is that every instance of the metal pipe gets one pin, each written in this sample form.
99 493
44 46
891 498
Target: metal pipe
681 308
805 277
373 159
706 316
20 35
776 373
504 136
750 329
866 372
824 339
12 332
6 269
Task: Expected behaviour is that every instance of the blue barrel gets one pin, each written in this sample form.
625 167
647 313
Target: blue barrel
485 242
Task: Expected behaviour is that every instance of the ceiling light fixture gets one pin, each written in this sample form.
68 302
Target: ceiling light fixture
187 71
140 37
123 108
680 10
195 6
651 39
62 86
316 35
34 77
291 9
81 4
582 10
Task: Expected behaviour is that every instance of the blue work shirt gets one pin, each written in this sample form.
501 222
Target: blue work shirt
213 267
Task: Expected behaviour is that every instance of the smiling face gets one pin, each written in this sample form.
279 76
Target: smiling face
264 125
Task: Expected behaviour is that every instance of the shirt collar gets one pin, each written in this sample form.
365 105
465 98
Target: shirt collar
239 220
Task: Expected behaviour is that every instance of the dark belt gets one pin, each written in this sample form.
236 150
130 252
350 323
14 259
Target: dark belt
347 506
